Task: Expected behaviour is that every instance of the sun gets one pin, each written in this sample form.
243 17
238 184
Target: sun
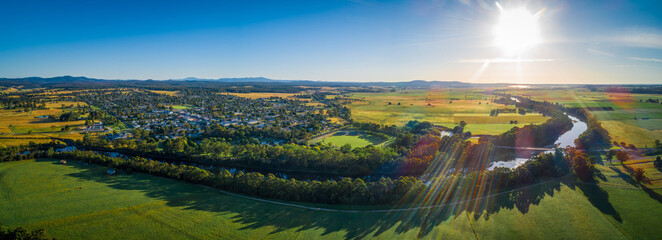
517 31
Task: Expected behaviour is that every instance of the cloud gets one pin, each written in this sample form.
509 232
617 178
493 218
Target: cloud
599 52
646 59
638 37
465 2
506 60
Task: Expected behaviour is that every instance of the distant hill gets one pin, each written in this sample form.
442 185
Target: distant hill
247 84
243 80
70 81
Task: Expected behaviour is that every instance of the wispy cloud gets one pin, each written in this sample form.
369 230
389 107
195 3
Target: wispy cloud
646 59
639 37
599 52
506 60
465 2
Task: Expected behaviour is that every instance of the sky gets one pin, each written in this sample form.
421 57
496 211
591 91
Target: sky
587 41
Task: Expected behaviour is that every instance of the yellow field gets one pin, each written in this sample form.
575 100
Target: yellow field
255 95
315 104
16 122
435 106
9 90
169 93
337 120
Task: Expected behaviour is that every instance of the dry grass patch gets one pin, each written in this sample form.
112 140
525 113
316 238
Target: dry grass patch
256 95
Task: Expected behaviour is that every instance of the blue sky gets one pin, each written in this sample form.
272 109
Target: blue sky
607 41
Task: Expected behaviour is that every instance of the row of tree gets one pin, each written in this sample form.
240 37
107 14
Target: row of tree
20 233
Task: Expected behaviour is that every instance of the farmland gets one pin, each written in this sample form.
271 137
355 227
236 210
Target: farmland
15 124
263 95
77 201
632 120
472 106
358 140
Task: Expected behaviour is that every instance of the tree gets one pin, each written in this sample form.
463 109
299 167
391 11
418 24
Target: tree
639 174
622 156
610 155
346 148
658 163
581 163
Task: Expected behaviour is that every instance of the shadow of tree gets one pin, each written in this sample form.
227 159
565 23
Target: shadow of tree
254 214
652 193
626 177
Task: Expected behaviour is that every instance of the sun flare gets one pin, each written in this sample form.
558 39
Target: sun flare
516 31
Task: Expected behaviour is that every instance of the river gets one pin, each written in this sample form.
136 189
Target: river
566 139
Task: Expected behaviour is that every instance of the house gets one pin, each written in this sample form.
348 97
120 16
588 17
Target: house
95 128
118 136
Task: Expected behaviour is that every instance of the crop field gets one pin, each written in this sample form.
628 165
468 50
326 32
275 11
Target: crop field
77 201
169 93
263 95
180 107
16 124
435 106
361 140
633 120
19 122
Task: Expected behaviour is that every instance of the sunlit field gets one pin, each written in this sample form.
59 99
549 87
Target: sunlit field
263 95
18 127
77 201
169 93
469 105
632 120
355 141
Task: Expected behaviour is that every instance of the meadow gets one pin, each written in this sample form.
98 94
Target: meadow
77 201
632 121
263 95
472 106
360 140
169 93
15 125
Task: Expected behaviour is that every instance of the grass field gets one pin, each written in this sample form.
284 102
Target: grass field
179 107
75 201
263 95
15 125
621 123
435 106
169 93
356 141
13 121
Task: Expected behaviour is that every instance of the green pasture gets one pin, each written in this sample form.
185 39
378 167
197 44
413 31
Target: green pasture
77 201
180 107
435 106
632 121
361 140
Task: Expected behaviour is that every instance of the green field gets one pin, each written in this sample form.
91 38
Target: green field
356 141
473 107
621 123
80 202
179 107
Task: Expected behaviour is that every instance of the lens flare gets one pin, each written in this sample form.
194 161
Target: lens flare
517 31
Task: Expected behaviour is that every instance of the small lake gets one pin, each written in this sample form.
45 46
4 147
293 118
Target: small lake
566 139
